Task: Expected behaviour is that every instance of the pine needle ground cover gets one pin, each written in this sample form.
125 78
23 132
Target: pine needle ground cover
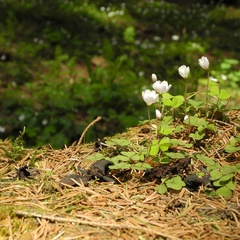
34 205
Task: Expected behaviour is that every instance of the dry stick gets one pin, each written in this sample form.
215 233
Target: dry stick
10 228
86 129
95 224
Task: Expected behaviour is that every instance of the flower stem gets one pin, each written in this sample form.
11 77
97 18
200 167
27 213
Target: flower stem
207 94
185 98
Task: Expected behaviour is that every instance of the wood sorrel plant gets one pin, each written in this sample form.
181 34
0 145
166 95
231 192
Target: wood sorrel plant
198 127
172 144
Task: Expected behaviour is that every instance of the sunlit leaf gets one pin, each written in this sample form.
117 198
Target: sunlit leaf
175 183
141 166
161 189
224 94
121 165
164 144
215 174
224 192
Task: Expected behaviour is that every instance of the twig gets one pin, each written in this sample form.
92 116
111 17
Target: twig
95 224
84 132
10 228
86 129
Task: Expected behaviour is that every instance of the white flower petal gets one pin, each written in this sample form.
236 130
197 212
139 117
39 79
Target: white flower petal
204 63
184 71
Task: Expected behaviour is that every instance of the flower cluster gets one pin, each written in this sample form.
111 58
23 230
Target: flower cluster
152 96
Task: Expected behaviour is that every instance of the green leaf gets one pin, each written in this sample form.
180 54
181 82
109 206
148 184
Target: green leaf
161 189
154 148
224 192
196 121
230 185
231 61
197 135
206 160
177 142
195 104
123 158
95 157
175 155
138 157
129 34
166 130
214 90
231 149
224 94
228 169
226 177
164 144
128 154
165 160
175 183
177 101
166 99
211 127
141 166
215 174
121 165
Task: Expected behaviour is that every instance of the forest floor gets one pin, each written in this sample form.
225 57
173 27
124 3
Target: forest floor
34 205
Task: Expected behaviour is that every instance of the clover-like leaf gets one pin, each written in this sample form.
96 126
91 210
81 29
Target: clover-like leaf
175 183
164 144
224 192
161 189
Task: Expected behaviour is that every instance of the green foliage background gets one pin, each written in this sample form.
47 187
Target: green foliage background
52 84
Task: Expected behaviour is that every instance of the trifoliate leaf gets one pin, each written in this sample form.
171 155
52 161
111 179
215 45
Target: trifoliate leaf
177 101
161 189
226 169
230 185
214 90
121 165
224 192
175 183
141 166
128 154
215 174
226 177
197 135
164 144
154 148
224 94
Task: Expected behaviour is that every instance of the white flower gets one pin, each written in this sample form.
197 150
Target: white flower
184 71
158 114
213 79
154 77
223 77
204 63
2 129
185 117
149 96
161 87
175 37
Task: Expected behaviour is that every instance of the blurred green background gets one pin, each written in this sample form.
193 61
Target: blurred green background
65 62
